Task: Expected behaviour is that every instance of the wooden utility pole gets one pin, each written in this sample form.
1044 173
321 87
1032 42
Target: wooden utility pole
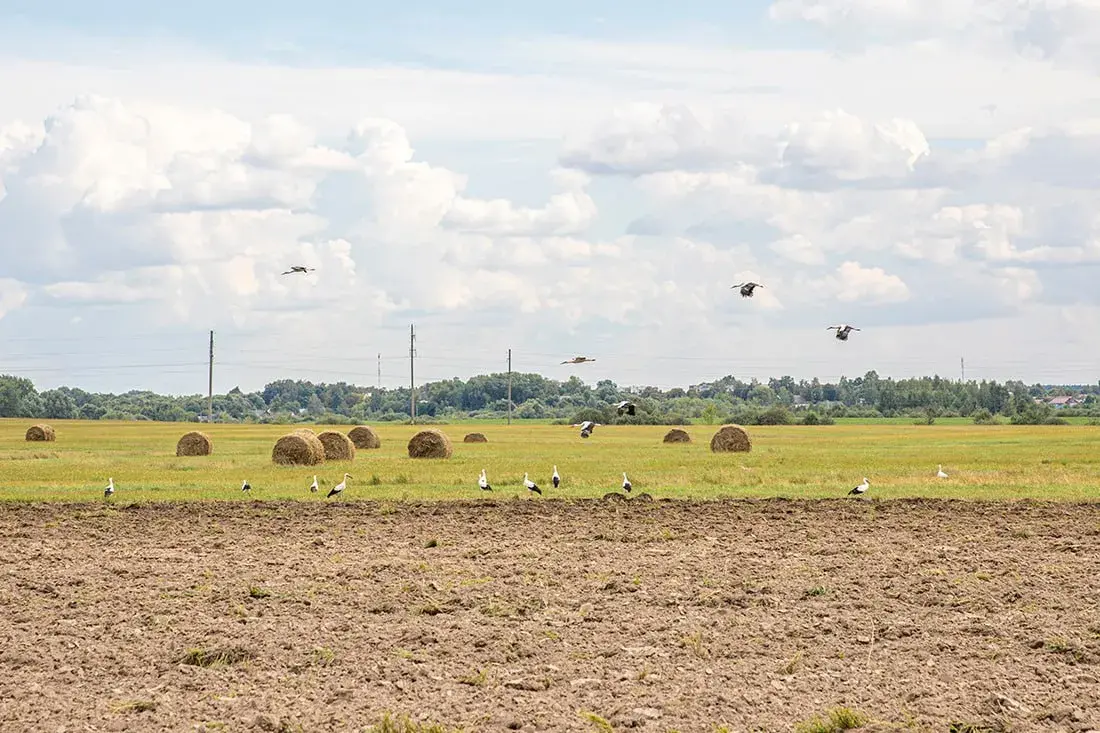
509 386
962 367
379 370
210 383
412 377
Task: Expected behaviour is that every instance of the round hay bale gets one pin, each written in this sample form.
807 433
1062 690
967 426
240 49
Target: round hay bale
308 431
676 435
475 438
195 444
430 444
337 446
731 439
300 448
365 438
41 432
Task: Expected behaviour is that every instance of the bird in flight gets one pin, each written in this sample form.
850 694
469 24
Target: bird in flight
626 406
483 483
842 331
747 288
587 427
299 268
577 360
862 488
531 485
339 487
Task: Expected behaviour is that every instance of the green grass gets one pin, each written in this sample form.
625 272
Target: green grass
984 462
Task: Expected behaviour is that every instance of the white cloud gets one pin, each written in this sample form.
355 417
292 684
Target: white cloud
167 207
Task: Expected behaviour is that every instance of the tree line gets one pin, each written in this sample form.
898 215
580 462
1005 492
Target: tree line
729 399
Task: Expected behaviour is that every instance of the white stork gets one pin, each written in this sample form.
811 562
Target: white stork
862 488
483 482
531 485
627 486
556 479
339 487
747 288
842 331
110 488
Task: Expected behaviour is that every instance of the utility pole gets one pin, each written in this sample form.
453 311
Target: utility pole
210 384
412 377
509 386
379 370
962 367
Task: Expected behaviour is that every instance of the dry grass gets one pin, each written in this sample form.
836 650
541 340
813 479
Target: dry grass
731 439
365 438
300 448
676 435
337 446
40 433
430 444
195 444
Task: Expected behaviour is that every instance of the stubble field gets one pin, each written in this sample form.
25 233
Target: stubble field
508 612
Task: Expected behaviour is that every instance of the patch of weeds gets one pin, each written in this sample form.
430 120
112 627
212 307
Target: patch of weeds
694 643
374 480
836 720
1062 646
404 724
476 680
964 727
792 665
255 591
402 479
431 543
403 653
598 722
815 592
642 673
216 657
324 657
134 706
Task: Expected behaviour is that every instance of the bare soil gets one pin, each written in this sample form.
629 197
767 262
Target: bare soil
532 614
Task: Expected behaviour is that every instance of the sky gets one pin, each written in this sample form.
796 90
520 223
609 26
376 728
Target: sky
558 179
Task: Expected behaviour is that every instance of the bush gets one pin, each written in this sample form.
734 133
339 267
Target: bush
984 417
775 416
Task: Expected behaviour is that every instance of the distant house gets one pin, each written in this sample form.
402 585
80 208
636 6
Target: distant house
1059 403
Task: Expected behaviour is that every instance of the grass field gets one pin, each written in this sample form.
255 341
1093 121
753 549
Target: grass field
984 462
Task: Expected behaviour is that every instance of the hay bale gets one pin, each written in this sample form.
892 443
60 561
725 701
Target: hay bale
300 448
475 438
731 439
430 444
41 432
676 435
337 446
194 444
365 438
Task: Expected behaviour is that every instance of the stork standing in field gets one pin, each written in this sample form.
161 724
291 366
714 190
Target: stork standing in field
862 488
299 268
110 488
339 487
556 479
313 486
747 288
627 486
940 473
531 485
842 331
246 487
483 483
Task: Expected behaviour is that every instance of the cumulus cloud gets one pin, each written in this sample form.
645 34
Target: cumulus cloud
1061 29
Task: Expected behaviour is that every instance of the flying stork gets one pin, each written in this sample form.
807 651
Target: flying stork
842 331
747 288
